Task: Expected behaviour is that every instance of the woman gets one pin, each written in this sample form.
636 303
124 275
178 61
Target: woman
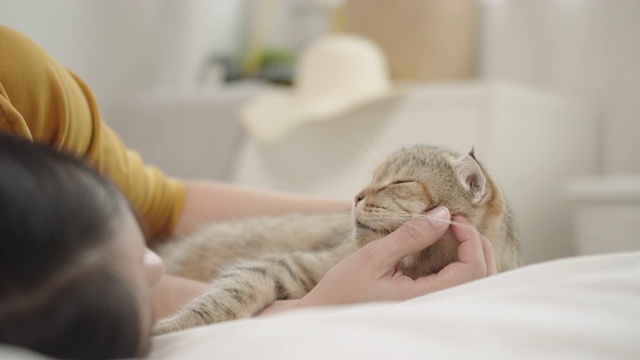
72 290
76 276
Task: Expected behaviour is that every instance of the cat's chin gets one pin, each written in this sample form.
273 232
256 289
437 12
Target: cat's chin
365 234
432 259
417 271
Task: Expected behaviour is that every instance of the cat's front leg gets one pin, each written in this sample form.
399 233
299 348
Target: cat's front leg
216 305
240 292
245 290
224 301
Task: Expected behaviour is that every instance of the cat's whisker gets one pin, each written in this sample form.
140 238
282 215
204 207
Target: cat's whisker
363 155
419 229
386 228
455 223
404 217
366 143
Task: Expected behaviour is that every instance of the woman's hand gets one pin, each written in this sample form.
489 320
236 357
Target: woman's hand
371 273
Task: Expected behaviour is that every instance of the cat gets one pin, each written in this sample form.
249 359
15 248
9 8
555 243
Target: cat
254 262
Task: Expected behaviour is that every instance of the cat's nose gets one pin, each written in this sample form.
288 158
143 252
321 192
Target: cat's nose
359 197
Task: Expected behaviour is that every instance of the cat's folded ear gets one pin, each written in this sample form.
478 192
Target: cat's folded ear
473 179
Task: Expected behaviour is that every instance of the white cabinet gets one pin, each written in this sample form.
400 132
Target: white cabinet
532 140
187 135
606 213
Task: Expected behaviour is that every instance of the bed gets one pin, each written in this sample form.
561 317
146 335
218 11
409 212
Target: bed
575 308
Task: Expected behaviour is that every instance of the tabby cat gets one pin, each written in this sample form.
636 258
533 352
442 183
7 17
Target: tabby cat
254 262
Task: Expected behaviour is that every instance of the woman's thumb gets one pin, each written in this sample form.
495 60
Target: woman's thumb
416 234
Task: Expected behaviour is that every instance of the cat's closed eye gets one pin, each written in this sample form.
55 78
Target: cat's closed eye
398 182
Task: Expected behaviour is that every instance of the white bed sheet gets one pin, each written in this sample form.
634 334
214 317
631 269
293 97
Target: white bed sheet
576 308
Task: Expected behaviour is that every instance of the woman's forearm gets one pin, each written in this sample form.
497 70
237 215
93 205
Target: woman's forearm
171 293
210 201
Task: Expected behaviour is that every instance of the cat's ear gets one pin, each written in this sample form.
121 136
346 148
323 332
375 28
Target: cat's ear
473 179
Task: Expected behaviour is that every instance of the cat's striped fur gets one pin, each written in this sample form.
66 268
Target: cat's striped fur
254 262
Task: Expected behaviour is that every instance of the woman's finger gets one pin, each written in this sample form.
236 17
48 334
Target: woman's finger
489 256
471 264
470 250
410 238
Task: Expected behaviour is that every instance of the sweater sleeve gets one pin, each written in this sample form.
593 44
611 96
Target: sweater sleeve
44 102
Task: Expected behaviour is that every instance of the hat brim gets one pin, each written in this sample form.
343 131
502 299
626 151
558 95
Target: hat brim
271 115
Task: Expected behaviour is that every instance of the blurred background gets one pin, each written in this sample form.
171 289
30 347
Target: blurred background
546 90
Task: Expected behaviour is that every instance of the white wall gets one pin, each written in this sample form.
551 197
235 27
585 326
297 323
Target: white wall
585 47
588 47
120 47
108 43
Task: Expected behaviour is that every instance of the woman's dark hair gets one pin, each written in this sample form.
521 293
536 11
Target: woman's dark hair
57 294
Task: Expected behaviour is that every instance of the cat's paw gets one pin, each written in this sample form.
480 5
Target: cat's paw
183 320
196 314
166 326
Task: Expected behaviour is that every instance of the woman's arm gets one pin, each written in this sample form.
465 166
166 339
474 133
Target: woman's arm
171 293
209 201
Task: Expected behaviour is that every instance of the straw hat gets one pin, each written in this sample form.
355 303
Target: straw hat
334 75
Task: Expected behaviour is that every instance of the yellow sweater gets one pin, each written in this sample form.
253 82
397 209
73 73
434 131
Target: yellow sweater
42 101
